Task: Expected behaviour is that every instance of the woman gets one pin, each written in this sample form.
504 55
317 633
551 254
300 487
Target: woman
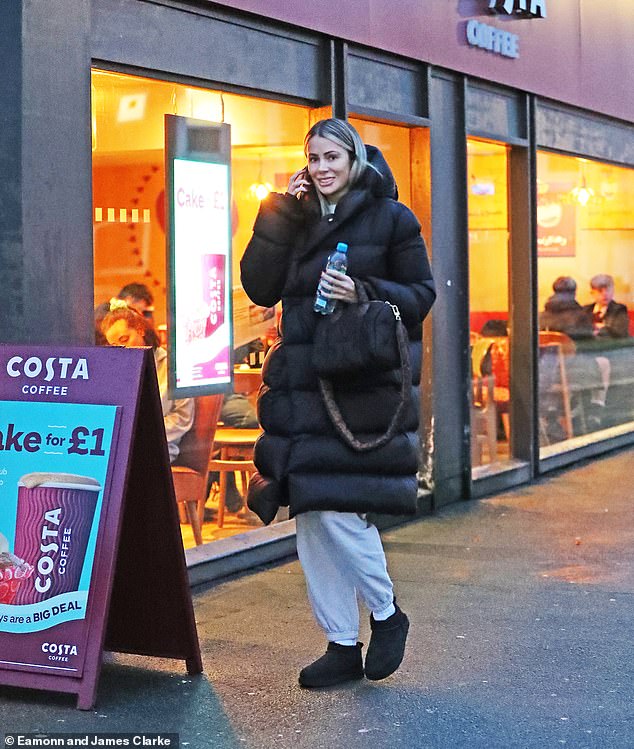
124 326
346 193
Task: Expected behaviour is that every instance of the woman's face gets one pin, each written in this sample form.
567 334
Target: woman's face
122 334
329 167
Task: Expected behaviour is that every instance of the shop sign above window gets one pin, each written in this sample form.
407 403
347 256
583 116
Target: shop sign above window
493 40
496 40
525 8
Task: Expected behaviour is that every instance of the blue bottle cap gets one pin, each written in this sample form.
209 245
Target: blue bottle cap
342 247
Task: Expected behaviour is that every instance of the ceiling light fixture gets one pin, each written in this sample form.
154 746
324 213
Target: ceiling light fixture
582 193
260 189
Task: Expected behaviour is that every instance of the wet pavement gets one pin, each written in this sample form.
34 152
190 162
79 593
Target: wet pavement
521 608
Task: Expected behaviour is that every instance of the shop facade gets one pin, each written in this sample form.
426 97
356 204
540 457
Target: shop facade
503 135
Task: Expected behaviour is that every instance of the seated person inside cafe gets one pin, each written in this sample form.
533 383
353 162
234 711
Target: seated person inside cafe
609 318
612 347
563 313
495 328
124 326
139 297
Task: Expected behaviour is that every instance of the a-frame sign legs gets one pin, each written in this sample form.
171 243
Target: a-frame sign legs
151 610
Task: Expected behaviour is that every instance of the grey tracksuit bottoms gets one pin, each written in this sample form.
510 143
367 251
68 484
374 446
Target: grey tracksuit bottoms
342 556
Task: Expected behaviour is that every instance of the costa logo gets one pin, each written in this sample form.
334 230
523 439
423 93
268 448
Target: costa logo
527 8
59 648
61 367
48 548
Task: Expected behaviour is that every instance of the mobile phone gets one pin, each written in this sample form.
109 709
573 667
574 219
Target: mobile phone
309 188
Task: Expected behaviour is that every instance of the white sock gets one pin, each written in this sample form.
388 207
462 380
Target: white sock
386 614
348 643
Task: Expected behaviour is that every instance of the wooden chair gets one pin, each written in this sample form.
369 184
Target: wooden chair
500 364
552 337
234 448
497 348
554 349
189 470
483 420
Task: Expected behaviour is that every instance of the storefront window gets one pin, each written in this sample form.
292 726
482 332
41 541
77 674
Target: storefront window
402 148
585 218
489 303
406 151
129 213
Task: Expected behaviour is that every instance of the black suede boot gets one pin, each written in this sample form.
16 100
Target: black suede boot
338 664
387 645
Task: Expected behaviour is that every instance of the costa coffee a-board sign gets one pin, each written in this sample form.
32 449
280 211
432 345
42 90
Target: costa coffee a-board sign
84 483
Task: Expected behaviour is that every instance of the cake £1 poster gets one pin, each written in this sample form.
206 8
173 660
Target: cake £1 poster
54 461
202 222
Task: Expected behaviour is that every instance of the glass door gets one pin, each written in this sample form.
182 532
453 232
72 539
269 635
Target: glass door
489 327
406 150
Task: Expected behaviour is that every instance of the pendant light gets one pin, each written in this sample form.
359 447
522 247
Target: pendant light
260 189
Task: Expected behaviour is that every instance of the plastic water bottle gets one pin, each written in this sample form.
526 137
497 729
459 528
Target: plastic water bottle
337 261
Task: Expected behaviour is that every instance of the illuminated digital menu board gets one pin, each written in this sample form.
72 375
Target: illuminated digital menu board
199 257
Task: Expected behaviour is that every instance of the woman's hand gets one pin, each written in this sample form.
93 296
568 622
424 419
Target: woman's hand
339 286
298 183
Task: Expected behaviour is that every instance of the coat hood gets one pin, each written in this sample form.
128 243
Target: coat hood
378 178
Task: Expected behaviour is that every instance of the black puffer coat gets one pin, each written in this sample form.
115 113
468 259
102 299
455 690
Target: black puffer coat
301 461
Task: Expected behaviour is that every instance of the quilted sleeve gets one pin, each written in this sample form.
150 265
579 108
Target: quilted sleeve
264 265
409 283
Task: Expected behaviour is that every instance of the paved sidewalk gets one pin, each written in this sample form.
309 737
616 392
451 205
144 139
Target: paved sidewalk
522 613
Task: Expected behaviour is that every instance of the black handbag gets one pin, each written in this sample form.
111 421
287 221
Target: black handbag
263 497
357 339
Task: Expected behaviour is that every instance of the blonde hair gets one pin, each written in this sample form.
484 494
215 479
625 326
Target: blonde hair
343 134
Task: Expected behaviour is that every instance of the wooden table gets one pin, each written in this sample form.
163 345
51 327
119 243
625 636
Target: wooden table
246 380
232 437
236 455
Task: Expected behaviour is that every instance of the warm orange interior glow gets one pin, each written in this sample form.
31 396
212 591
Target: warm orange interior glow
594 203
128 176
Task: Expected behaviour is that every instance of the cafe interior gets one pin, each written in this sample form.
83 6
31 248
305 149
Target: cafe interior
585 227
